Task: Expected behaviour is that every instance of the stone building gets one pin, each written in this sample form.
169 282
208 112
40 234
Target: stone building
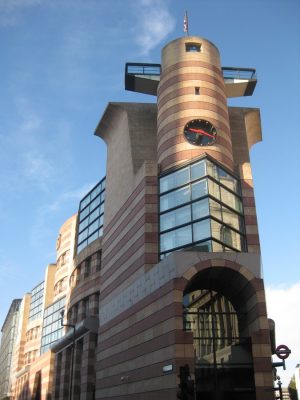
164 284
7 347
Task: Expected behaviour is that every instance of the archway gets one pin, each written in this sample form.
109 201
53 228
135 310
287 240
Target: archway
215 311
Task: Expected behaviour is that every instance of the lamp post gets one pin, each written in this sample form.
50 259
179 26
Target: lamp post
62 313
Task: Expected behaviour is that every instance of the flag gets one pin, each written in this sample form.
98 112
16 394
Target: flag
186 23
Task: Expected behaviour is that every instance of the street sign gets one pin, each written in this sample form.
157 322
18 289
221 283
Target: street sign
282 351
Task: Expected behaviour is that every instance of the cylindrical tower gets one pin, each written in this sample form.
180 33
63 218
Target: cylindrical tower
192 104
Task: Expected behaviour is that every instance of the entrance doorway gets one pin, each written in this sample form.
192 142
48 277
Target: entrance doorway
223 354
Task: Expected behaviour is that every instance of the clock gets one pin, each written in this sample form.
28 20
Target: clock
200 132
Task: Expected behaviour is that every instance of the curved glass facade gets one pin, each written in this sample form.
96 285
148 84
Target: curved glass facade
201 207
91 215
36 303
52 328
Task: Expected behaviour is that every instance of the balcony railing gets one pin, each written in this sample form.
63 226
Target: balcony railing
144 78
142 69
239 73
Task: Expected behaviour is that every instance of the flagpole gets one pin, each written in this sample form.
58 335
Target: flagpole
186 24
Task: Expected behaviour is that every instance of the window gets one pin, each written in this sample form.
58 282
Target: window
201 209
52 329
193 47
91 213
176 238
197 91
87 269
36 304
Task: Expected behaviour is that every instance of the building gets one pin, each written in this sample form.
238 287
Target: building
39 323
163 285
8 334
177 269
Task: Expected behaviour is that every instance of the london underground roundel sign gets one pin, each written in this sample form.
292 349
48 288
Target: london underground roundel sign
282 351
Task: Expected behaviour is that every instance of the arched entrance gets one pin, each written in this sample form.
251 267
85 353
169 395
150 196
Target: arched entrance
216 312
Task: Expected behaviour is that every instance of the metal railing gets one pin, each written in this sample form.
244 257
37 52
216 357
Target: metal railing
142 69
239 73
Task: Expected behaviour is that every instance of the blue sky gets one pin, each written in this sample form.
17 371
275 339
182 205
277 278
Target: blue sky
62 61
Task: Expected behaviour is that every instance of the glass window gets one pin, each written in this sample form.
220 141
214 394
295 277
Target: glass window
228 180
102 208
95 203
199 189
93 237
200 209
52 329
214 189
95 214
175 198
212 169
36 303
226 235
94 226
201 197
101 220
84 202
221 247
215 209
203 246
232 219
174 218
96 191
201 230
231 200
83 235
84 213
174 180
216 229
81 246
198 170
192 47
176 238
91 216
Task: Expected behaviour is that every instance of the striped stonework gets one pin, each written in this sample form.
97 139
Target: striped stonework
180 102
135 346
246 131
130 243
141 330
42 369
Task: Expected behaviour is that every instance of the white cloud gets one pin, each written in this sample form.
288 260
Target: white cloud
36 165
10 10
41 228
37 168
154 23
71 195
283 303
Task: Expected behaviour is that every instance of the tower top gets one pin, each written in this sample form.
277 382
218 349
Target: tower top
145 77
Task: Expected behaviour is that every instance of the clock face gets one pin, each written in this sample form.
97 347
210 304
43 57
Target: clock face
200 132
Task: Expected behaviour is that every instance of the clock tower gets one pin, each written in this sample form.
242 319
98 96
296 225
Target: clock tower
192 89
182 301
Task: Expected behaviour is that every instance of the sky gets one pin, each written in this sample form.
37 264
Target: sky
62 61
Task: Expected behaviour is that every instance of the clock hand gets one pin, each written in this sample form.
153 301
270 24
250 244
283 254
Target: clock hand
200 131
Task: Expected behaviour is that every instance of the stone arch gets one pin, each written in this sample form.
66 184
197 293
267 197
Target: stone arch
237 283
245 290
